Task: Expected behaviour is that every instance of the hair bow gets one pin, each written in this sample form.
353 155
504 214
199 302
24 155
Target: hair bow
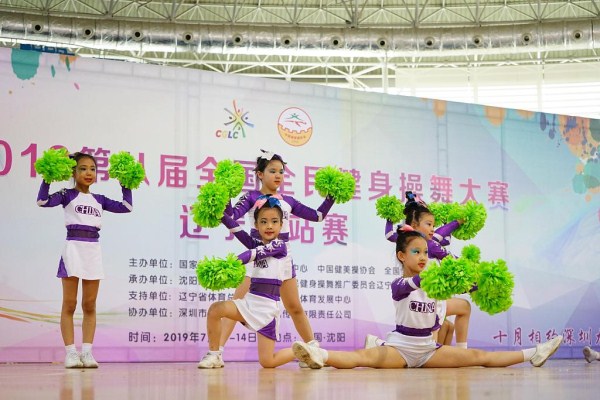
272 199
406 228
267 155
413 198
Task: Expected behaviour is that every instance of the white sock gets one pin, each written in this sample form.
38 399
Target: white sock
215 352
71 348
324 354
313 342
379 342
221 348
528 353
461 345
86 348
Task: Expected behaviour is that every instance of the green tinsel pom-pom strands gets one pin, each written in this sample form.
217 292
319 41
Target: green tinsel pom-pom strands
451 276
330 181
219 274
390 208
55 165
440 212
471 253
473 215
231 175
495 286
208 210
126 169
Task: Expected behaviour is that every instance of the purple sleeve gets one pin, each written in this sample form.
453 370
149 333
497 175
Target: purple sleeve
244 204
436 251
305 212
443 234
53 200
124 206
402 287
277 248
241 235
390 235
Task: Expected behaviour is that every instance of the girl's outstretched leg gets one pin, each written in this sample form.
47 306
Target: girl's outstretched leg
375 357
267 356
452 357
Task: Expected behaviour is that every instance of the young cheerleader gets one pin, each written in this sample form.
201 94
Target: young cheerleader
259 309
270 170
590 354
419 218
81 257
411 344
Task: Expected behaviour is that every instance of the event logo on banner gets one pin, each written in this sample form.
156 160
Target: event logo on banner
237 122
295 126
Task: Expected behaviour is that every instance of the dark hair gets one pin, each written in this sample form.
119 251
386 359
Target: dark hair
404 238
268 205
261 163
414 209
79 155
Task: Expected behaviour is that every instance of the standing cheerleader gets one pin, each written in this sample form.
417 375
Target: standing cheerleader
81 257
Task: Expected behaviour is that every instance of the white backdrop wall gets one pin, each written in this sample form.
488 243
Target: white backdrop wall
537 174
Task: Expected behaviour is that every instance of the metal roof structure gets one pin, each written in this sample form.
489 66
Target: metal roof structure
346 43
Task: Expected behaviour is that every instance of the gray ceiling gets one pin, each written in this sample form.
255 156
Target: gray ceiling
357 43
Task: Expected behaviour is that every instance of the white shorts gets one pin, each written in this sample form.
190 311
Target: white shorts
81 259
416 351
260 313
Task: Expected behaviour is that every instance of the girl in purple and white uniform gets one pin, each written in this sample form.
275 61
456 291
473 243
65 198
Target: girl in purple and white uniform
412 344
419 218
259 309
270 170
81 257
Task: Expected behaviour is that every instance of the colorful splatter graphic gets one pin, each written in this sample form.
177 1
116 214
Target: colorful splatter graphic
25 63
581 135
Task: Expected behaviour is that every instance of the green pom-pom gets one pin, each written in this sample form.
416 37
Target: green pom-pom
231 175
219 274
473 215
495 286
55 165
126 169
390 208
471 253
330 181
208 210
440 212
451 276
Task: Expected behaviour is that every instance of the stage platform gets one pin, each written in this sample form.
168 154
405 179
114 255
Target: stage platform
557 379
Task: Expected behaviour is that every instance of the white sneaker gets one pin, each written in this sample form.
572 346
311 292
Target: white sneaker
72 360
88 361
370 341
589 354
314 343
211 360
311 355
545 350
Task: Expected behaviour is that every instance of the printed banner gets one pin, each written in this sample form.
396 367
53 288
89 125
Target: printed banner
537 175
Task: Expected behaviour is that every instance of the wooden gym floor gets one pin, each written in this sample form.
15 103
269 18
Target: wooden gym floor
557 379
